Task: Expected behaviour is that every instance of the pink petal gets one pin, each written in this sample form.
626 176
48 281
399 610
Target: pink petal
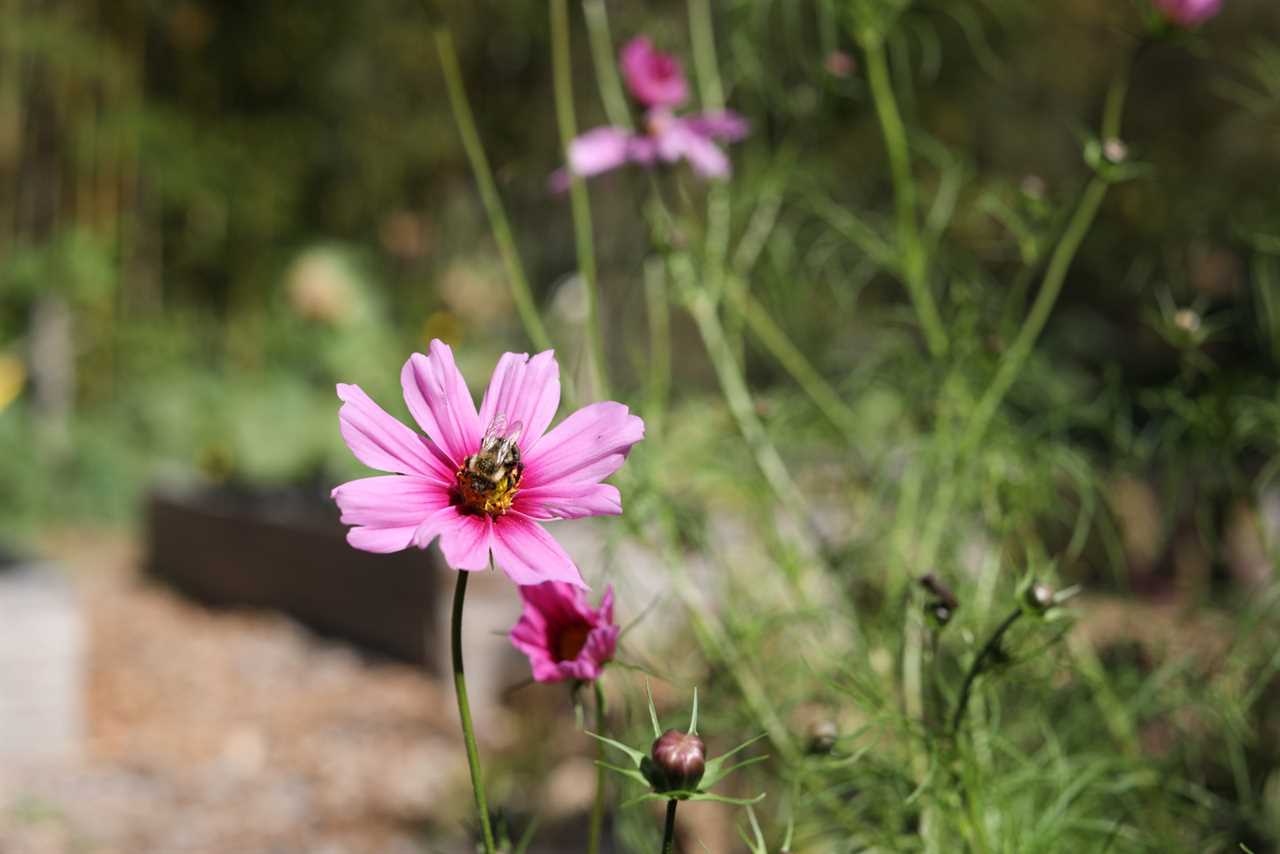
558 603
437 397
654 78
606 606
529 555
1189 13
586 447
725 125
525 390
568 500
389 501
434 524
380 540
532 642
679 140
465 540
380 441
599 150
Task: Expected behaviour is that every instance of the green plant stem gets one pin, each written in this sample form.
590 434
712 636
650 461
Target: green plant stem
597 808
792 360
978 666
702 34
579 200
610 83
658 315
483 174
669 835
914 263
464 711
1015 358
738 396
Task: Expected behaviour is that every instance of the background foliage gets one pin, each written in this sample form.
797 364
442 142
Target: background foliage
211 212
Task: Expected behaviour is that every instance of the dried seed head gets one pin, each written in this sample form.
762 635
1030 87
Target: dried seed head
677 761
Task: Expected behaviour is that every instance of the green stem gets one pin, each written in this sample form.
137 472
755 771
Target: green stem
611 92
738 396
669 835
914 264
464 711
597 809
777 342
480 169
1015 358
702 34
979 665
579 200
658 314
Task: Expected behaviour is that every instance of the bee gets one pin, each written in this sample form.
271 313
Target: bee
488 477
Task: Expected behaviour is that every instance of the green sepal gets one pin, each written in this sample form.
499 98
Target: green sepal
629 773
635 755
714 773
653 711
737 802
709 779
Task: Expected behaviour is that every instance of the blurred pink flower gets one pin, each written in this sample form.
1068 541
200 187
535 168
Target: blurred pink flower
1188 13
656 81
482 481
563 636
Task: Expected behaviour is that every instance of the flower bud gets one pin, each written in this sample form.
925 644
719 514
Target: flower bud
676 762
1039 597
1115 150
823 735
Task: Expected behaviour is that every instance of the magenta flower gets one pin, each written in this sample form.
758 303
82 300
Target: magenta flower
655 79
563 636
1188 13
657 82
482 481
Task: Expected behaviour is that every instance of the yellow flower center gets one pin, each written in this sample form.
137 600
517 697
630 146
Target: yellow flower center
485 490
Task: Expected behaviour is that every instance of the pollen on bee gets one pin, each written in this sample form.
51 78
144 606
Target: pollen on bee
482 490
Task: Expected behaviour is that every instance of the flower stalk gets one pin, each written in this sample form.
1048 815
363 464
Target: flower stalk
579 201
464 712
980 664
596 828
521 293
913 263
669 834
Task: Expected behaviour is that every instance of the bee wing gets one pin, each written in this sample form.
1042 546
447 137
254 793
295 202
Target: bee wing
493 434
508 449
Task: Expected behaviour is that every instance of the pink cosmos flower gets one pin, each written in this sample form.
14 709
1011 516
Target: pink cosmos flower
657 82
563 636
483 482
655 79
1188 13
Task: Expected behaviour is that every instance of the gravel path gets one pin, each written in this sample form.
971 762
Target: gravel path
226 732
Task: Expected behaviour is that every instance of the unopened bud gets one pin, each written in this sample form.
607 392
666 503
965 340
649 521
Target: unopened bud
676 762
1040 596
1115 150
840 63
1187 320
822 737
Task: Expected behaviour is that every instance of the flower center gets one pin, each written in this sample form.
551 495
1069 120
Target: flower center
570 641
658 122
488 480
